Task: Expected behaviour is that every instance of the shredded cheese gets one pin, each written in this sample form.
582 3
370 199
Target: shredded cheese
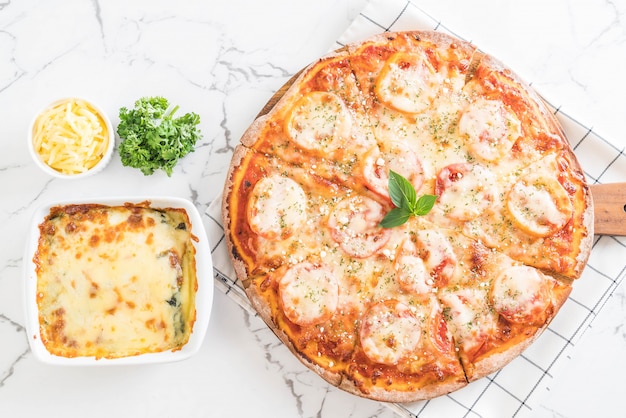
71 136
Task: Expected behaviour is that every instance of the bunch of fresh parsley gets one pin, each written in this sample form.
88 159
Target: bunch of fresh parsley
152 138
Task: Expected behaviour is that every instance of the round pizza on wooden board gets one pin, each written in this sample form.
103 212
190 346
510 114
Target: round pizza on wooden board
382 295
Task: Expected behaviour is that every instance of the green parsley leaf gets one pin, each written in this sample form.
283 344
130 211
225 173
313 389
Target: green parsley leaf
152 138
404 197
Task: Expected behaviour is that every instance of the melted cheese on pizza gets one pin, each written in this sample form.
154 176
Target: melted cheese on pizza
408 82
115 281
354 225
390 330
320 122
277 207
420 305
530 207
411 272
470 319
521 294
491 129
464 191
309 293
438 255
539 205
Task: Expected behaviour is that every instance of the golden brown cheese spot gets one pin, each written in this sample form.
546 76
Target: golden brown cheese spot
94 240
70 227
93 290
135 221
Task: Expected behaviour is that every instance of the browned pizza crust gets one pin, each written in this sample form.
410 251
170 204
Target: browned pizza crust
339 379
240 268
265 313
383 395
497 360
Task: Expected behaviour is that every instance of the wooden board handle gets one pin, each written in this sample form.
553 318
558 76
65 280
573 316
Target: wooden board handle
609 201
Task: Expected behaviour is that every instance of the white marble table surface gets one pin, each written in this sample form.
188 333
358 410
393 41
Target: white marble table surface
224 59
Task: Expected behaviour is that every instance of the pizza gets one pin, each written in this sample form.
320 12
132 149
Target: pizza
445 297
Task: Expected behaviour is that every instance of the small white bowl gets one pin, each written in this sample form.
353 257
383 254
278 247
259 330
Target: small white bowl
203 299
106 156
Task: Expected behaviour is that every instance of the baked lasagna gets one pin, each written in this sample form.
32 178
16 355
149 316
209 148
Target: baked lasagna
115 281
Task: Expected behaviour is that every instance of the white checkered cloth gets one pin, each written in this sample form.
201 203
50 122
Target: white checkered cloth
515 390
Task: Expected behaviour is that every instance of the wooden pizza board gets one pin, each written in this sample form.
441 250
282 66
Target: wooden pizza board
609 208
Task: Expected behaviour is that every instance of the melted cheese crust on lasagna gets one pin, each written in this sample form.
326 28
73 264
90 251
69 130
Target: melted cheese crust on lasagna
115 281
